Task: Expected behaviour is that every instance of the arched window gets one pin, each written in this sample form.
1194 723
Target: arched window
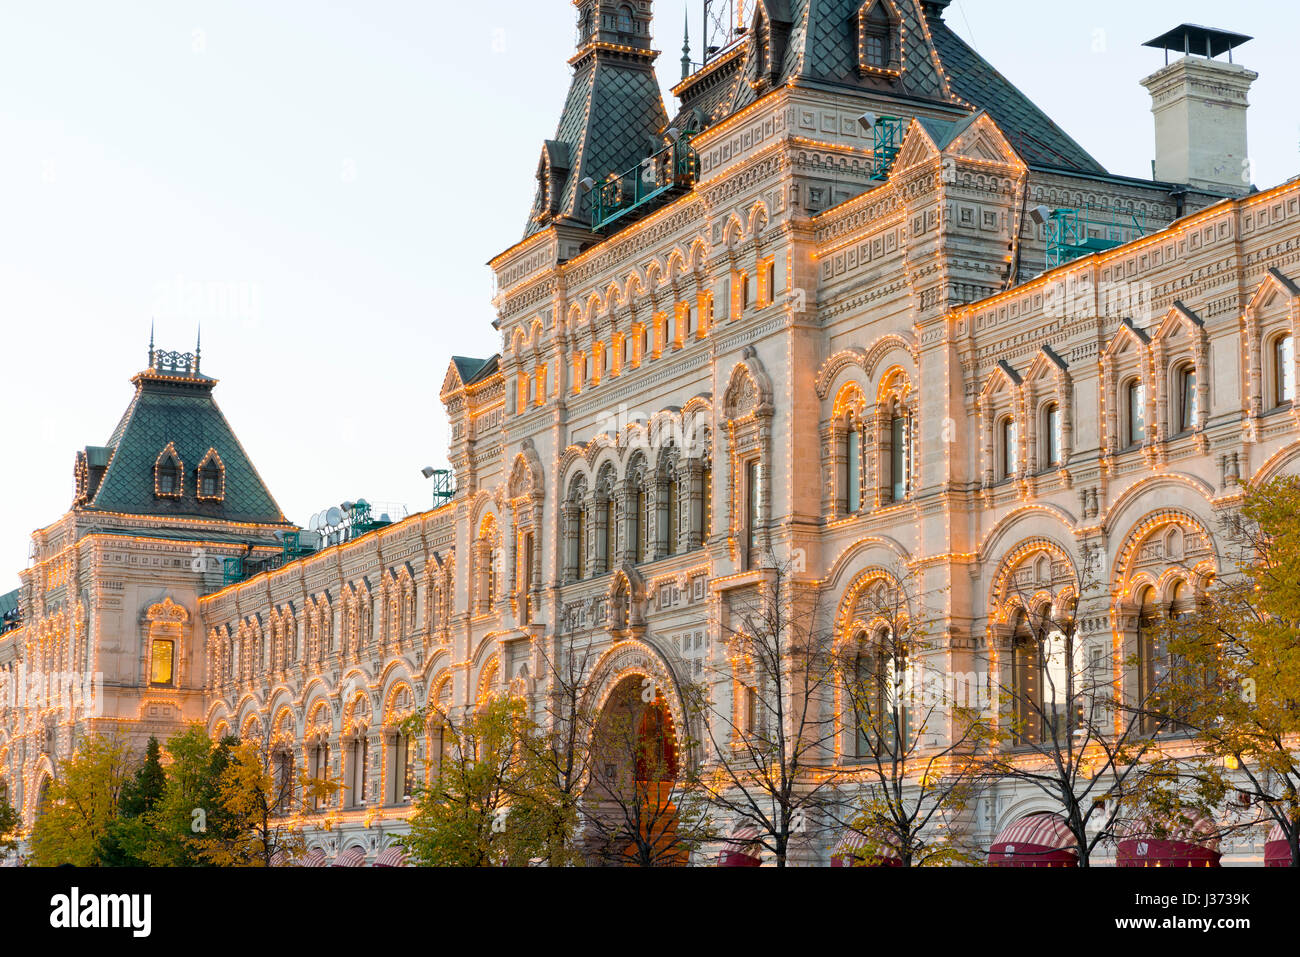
627 353
1026 683
876 39
401 762
358 758
703 509
1283 370
1051 435
641 522
625 20
610 538
878 696
1135 405
320 770
645 343
900 455
1009 446
578 540
853 466
168 474
1188 398
674 500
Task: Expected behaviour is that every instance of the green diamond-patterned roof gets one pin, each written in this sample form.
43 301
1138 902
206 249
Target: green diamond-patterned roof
183 412
823 47
8 602
613 109
1032 132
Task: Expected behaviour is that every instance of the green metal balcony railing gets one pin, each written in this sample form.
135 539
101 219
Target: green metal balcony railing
1073 233
671 169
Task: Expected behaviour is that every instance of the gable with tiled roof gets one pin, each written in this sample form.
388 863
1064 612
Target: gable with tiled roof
817 43
173 425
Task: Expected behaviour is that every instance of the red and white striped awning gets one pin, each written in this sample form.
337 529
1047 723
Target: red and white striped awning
313 858
394 856
742 849
1193 842
1277 850
355 857
1041 839
852 841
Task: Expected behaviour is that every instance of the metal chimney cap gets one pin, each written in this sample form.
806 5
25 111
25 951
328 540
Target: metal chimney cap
1197 40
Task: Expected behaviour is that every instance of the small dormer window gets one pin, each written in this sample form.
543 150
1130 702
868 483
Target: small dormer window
168 474
877 38
211 478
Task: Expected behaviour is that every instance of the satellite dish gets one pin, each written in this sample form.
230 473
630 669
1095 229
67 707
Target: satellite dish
362 503
315 522
333 516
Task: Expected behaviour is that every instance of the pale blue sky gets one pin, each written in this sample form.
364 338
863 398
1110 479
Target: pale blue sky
322 184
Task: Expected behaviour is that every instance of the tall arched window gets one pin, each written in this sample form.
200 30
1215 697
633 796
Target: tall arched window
641 518
580 542
900 455
645 343
1135 404
674 502
878 696
876 39
704 507
1284 370
610 533
1151 659
1009 443
1051 435
625 20
1026 684
1188 398
853 466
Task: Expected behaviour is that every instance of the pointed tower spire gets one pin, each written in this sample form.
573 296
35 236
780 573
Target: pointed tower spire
686 44
614 109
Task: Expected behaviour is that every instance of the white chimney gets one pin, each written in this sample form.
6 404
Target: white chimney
1200 105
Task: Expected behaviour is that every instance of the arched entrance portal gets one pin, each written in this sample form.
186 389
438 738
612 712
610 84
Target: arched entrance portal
634 775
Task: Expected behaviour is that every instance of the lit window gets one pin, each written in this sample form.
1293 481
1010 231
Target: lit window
163 664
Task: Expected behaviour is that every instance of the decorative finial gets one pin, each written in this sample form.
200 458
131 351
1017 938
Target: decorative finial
686 44
150 342
198 348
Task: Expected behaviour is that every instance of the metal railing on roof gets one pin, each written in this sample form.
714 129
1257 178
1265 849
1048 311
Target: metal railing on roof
671 169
